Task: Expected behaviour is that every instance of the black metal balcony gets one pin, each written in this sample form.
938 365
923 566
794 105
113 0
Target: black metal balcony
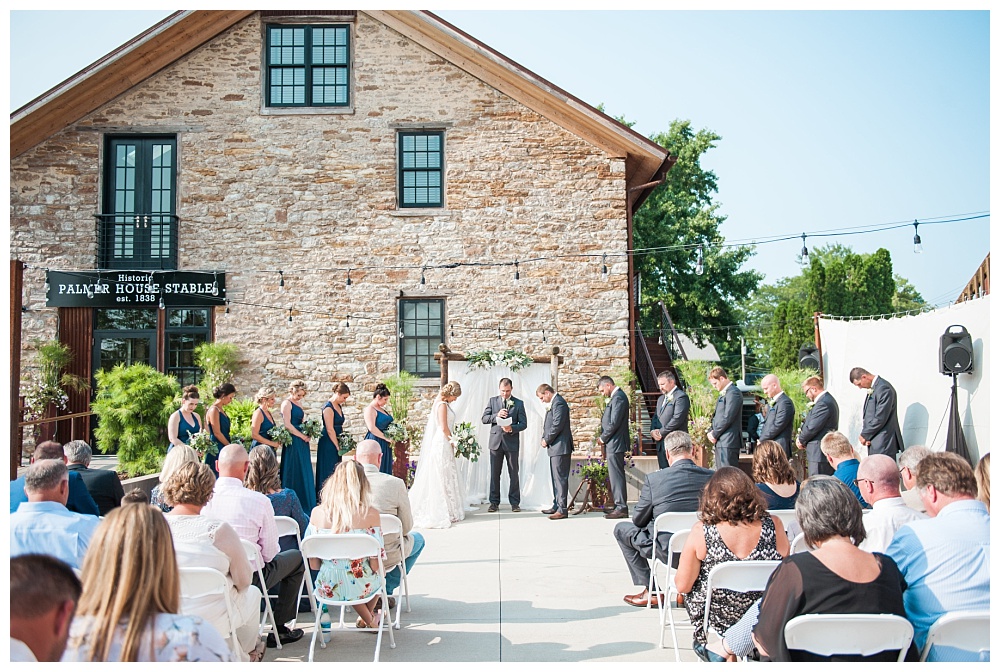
137 241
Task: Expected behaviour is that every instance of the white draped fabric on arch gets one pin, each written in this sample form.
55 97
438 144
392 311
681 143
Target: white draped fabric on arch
478 385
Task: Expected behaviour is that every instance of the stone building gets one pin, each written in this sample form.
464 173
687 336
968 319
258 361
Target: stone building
336 192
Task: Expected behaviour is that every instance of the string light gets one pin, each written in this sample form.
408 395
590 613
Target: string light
348 322
729 335
348 278
498 332
281 282
451 331
215 283
917 247
400 333
227 307
161 304
804 255
604 267
544 339
699 267
289 315
517 273
423 281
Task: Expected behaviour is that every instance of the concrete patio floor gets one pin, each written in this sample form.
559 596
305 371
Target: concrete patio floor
513 587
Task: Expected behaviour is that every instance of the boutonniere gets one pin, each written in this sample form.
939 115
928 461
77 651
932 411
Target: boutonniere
670 398
509 404
548 407
869 391
810 404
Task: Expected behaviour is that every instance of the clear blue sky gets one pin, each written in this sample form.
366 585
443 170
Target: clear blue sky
829 119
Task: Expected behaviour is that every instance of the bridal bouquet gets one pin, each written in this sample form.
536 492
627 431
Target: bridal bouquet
312 428
465 443
347 443
396 432
280 434
202 443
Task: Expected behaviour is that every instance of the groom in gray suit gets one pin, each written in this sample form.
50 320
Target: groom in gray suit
880 426
505 443
558 442
614 437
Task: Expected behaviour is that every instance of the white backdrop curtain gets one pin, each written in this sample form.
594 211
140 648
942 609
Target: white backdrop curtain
478 385
904 351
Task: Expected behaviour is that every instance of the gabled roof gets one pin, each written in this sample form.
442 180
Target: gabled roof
184 31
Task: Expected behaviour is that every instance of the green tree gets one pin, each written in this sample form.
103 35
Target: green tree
681 215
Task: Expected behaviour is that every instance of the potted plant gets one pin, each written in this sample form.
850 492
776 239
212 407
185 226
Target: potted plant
401 395
45 388
595 472
703 399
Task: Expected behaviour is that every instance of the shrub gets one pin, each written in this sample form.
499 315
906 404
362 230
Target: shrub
132 405
219 362
47 384
240 412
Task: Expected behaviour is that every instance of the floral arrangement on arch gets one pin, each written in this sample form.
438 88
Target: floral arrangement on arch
465 442
515 360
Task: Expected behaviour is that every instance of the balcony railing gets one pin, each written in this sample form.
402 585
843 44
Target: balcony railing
137 241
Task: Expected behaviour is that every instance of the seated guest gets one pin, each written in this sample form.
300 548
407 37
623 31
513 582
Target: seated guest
835 578
774 475
983 480
43 595
389 495
346 508
135 496
79 499
840 453
676 488
102 484
43 524
908 461
878 481
734 526
176 457
945 559
251 515
263 477
128 611
200 541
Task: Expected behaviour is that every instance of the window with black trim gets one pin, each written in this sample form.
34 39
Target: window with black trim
186 329
421 169
308 66
421 330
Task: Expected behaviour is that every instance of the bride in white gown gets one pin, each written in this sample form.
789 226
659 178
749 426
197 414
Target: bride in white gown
436 496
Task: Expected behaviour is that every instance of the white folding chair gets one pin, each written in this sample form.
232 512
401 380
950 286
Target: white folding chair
346 547
676 543
393 525
672 521
849 634
965 630
785 515
202 582
287 527
741 576
799 544
254 558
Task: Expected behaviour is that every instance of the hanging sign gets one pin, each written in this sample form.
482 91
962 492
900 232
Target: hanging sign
134 289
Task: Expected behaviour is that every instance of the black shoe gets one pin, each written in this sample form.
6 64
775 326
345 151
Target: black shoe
493 508
549 512
617 513
515 509
706 655
286 636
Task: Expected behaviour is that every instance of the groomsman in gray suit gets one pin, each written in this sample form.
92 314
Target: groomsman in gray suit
778 423
727 423
671 413
505 443
558 442
880 428
822 418
614 437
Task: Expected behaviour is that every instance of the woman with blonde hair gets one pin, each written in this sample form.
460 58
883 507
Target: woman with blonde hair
200 541
774 476
328 449
346 508
128 611
436 497
262 476
296 460
175 459
983 480
261 422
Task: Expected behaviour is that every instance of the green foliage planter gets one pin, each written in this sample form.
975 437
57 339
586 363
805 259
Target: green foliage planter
133 405
240 412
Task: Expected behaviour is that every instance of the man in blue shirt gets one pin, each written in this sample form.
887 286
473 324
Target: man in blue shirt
840 453
43 524
79 501
944 559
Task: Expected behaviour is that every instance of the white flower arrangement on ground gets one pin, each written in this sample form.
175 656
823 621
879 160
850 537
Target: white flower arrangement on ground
280 434
515 360
465 442
312 428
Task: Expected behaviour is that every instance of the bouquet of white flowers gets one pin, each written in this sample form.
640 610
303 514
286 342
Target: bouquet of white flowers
202 443
280 434
465 442
396 432
347 443
312 428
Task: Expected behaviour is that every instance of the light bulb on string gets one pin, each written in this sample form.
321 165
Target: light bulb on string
451 331
804 254
161 304
348 322
281 281
544 339
400 333
517 274
699 267
585 339
348 284
289 315
227 307
917 246
604 267
423 281
215 283
499 338
729 335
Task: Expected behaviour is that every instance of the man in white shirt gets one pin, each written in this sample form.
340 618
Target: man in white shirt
252 516
909 459
43 596
878 482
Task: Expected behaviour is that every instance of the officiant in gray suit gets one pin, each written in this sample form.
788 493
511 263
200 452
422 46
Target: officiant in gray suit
614 437
506 415
671 413
558 442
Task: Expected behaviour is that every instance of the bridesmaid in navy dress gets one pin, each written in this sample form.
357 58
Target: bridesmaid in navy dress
218 422
262 420
296 462
328 450
184 421
377 419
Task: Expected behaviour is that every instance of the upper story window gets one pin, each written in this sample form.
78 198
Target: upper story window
308 66
421 330
421 169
